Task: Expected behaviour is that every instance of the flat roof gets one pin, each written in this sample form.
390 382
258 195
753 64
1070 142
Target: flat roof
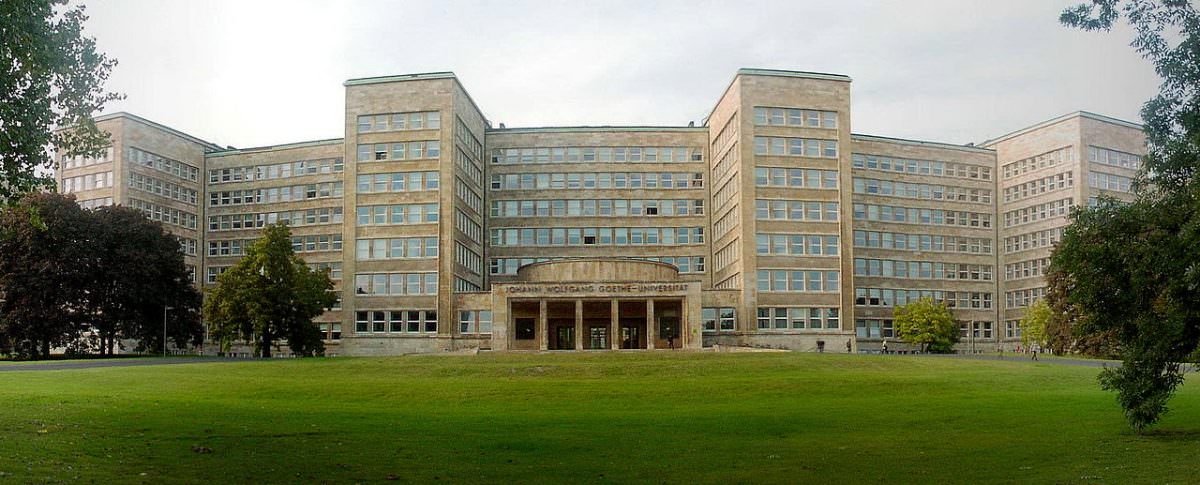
283 146
755 71
921 143
1059 119
601 128
123 114
420 76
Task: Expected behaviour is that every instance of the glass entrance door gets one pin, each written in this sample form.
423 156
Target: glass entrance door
597 337
631 337
565 337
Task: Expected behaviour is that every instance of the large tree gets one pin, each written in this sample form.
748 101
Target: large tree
46 262
52 77
926 324
271 294
140 279
1133 270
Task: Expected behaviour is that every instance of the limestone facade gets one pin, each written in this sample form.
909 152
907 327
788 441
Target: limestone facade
770 224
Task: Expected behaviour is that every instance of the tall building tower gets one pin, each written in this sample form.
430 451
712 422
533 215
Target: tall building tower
1043 169
149 167
780 154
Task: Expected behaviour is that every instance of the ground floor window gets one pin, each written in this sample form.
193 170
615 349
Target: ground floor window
723 319
473 322
1012 329
798 318
524 328
395 321
331 331
871 328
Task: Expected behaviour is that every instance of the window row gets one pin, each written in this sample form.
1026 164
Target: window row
1012 329
795 147
397 182
468 196
910 215
523 156
189 246
297 218
396 321
396 248
597 207
1045 160
474 322
795 210
728 254
468 226
1039 212
468 166
418 120
1026 269
597 180
413 150
323 190
163 164
463 285
727 135
468 258
1108 181
922 242
798 318
330 331
889 297
334 268
1031 240
727 193
795 177
810 118
272 171
727 163
1114 158
924 270
798 280
96 203
509 266
921 191
466 136
76 161
796 244
1039 186
87 182
162 188
597 236
921 167
317 242
164 214
380 284
723 319
400 214
1023 298
727 222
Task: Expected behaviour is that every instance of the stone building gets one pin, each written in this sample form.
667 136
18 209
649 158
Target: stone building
771 224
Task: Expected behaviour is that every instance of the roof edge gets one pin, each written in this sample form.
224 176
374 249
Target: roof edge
1060 119
923 143
600 128
399 78
124 114
754 71
282 146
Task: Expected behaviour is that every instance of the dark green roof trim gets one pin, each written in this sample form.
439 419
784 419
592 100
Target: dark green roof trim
210 146
921 143
399 78
1052 121
749 71
284 146
604 129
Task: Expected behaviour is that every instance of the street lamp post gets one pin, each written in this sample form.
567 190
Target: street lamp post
164 349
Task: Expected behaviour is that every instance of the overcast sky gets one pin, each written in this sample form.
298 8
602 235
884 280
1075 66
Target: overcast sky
254 72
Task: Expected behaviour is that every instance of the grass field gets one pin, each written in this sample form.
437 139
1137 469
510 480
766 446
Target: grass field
587 418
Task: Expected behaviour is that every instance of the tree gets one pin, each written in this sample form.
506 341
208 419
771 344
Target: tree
45 268
139 273
53 77
1133 269
1065 329
270 294
1035 323
926 323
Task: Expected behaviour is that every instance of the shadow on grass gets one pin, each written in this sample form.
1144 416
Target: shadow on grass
1168 435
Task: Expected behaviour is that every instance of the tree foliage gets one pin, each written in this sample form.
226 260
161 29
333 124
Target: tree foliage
927 324
1034 325
1133 270
53 77
66 272
271 294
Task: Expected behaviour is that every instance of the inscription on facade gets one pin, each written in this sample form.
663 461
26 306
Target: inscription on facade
601 288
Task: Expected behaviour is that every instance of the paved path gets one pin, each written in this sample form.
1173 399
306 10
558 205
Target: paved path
123 362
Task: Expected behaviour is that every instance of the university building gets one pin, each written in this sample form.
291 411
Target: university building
770 224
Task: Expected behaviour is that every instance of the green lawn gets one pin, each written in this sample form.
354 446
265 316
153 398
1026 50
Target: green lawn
587 418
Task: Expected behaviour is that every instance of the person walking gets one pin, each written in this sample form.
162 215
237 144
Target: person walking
884 346
1034 350
847 346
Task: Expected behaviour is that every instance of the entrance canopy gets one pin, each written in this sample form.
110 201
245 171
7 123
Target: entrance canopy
596 303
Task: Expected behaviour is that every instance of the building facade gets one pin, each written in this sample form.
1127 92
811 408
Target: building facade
771 224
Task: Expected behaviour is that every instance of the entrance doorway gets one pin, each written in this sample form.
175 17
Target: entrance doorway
631 316
560 318
597 322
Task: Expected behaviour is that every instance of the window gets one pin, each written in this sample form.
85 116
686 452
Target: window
524 328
